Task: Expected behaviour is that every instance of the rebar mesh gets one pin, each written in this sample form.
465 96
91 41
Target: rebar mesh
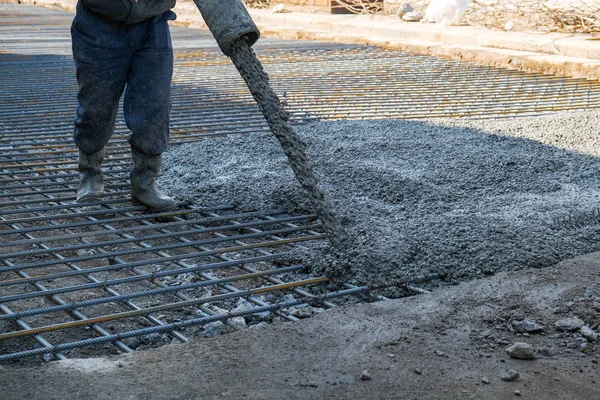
107 277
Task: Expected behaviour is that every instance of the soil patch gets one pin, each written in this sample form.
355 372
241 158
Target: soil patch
467 197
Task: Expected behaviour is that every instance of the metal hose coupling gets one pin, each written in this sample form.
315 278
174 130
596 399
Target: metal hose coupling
228 21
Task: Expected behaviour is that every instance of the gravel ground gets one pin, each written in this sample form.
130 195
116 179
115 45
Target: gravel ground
469 197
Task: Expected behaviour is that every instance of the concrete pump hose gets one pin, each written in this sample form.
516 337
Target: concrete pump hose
228 21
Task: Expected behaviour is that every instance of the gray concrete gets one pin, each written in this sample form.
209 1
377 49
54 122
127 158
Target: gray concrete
469 197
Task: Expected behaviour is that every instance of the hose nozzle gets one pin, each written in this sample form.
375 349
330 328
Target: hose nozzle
228 21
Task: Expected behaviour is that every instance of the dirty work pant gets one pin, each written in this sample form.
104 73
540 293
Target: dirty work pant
111 57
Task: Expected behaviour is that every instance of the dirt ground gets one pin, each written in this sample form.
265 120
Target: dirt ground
444 345
570 16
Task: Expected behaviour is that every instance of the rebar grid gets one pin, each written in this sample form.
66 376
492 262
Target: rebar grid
105 273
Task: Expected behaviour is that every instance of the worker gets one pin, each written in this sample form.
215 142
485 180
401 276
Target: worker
121 46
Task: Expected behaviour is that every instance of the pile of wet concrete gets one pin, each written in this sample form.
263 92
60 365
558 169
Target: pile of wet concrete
468 197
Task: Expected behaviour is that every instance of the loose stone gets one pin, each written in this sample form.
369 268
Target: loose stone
213 329
589 333
365 376
509 375
547 351
521 351
527 326
569 324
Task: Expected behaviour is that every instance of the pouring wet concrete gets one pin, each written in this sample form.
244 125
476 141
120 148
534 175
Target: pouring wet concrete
468 197
257 80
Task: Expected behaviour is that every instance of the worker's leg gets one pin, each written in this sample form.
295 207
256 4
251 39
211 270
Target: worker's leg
147 108
102 56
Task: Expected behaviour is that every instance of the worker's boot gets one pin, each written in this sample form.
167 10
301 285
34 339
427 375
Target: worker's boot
91 180
143 182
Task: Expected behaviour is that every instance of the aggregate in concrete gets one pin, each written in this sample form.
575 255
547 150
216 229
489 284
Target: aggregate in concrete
469 197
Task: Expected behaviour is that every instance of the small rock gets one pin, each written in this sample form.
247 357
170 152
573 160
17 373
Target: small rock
213 329
220 311
547 351
152 338
521 351
527 326
509 375
517 393
238 322
390 355
258 317
569 324
509 26
84 252
302 313
365 376
242 304
418 371
588 333
440 353
412 16
485 379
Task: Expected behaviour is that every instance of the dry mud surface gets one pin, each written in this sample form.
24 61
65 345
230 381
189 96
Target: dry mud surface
471 198
450 344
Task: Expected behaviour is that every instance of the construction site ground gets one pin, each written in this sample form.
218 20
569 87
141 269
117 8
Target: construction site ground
437 346
447 344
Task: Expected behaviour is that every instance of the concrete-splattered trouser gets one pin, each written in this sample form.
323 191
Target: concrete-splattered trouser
123 46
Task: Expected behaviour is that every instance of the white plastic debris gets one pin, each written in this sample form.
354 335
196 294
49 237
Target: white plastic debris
509 25
279 8
446 12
